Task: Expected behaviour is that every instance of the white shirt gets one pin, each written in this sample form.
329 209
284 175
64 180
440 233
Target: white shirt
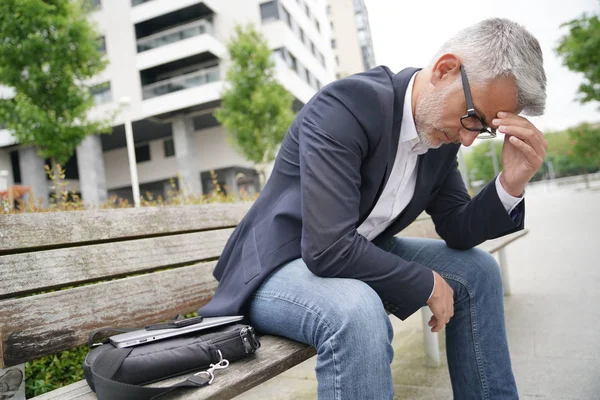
400 187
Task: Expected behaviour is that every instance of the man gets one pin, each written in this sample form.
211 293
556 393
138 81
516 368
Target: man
316 258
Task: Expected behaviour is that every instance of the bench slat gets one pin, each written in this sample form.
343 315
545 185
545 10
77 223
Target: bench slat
22 231
20 273
493 245
45 324
275 356
78 390
424 228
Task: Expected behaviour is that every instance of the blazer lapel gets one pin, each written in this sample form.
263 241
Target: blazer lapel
400 82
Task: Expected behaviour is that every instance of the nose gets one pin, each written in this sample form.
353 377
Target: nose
467 137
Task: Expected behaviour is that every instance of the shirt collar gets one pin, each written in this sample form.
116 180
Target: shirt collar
408 130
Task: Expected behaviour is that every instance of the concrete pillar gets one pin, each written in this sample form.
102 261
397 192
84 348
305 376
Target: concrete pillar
185 154
33 174
92 178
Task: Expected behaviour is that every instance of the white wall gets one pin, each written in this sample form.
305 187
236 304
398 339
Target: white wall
5 165
116 165
346 36
214 151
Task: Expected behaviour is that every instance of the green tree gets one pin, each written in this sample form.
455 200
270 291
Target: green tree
580 50
48 50
586 147
480 163
256 110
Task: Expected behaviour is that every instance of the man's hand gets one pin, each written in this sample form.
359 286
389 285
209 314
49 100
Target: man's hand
523 151
441 303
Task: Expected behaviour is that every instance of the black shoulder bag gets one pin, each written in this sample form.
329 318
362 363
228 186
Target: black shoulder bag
117 373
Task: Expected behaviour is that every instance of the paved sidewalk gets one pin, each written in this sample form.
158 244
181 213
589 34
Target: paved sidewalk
553 316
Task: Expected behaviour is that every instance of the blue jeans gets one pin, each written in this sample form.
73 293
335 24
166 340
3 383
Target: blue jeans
344 319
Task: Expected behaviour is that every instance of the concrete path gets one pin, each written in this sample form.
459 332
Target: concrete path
553 316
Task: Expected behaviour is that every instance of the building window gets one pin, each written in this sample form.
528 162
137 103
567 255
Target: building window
328 9
322 59
16 168
304 74
302 36
331 25
318 26
292 62
169 147
313 49
333 44
102 44
101 93
142 153
269 11
337 61
286 16
307 10
94 4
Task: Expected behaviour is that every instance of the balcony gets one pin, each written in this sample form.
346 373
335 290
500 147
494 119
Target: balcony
187 81
138 2
158 14
173 35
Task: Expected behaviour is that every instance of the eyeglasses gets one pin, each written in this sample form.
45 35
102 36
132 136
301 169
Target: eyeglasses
471 121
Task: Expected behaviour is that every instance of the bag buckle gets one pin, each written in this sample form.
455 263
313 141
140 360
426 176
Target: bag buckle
210 372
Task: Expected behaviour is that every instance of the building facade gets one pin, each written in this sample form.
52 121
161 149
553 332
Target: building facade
167 62
351 36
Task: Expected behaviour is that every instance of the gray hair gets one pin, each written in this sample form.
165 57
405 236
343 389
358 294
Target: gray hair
496 47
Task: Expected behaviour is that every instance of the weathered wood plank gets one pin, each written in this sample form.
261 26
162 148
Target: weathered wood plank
45 324
34 230
275 356
20 273
422 228
78 390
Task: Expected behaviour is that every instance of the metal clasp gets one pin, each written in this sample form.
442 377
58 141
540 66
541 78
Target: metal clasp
210 372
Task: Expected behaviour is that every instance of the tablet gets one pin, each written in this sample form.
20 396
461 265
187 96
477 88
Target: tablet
143 336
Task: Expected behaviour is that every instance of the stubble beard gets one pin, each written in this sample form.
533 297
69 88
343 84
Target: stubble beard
428 117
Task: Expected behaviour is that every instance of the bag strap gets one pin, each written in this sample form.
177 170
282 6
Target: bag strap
107 364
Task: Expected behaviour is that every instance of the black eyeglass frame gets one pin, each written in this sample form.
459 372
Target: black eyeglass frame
485 132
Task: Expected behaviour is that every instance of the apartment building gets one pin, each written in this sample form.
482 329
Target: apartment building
167 64
351 36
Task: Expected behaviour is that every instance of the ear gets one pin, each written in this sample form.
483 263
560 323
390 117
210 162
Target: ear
445 69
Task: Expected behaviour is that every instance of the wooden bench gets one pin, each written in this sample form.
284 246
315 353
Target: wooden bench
127 267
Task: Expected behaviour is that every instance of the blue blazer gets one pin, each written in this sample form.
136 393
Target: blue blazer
330 170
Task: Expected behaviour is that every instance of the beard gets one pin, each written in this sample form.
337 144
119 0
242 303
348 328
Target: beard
428 116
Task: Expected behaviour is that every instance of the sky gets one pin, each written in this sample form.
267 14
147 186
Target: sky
408 34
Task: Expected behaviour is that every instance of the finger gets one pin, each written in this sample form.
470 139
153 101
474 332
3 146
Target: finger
533 158
516 120
537 142
438 327
433 321
512 119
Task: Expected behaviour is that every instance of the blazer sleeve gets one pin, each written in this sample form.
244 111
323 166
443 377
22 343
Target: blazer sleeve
463 222
332 143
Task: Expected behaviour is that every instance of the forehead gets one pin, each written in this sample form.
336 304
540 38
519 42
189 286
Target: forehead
497 95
